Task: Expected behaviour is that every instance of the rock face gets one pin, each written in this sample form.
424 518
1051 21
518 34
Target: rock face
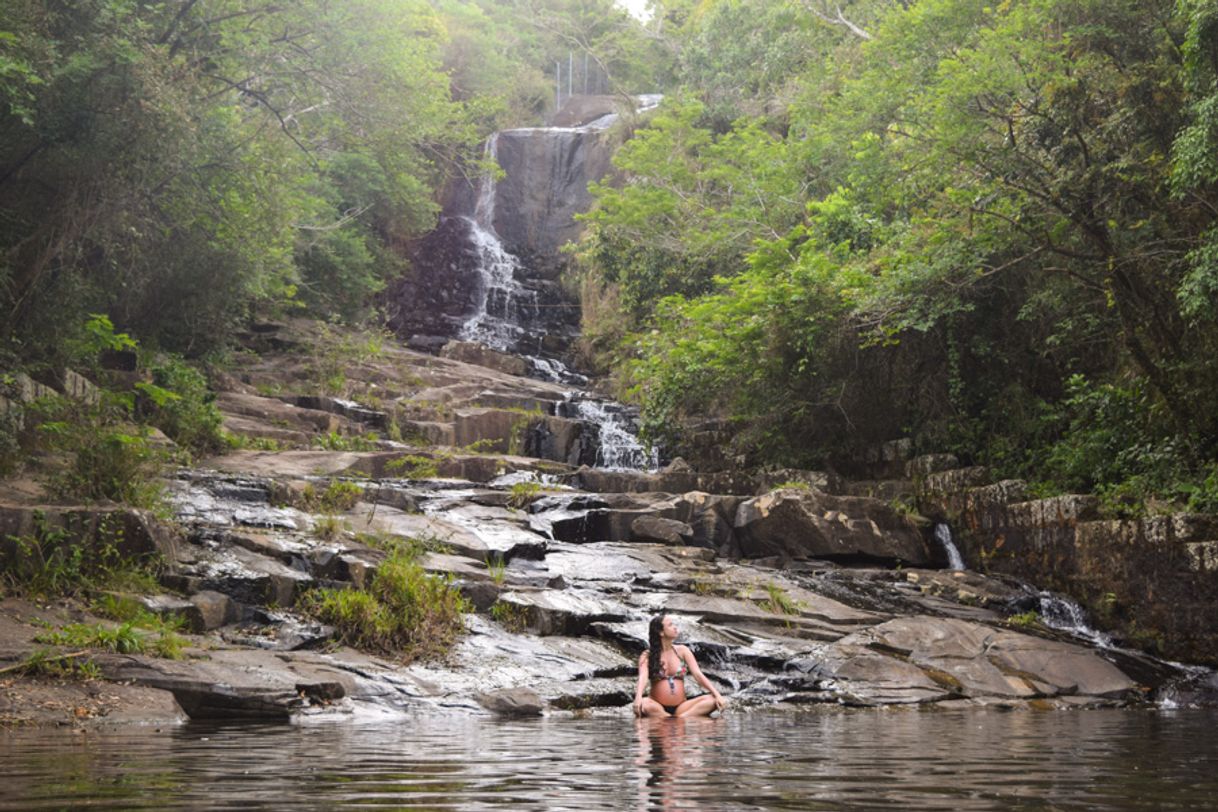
798 523
547 171
788 596
1155 579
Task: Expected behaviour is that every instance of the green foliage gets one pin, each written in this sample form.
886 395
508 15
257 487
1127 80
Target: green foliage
496 567
53 562
413 466
107 457
405 612
695 203
511 616
327 528
141 635
1025 620
779 602
177 165
522 494
237 442
46 663
990 227
338 496
333 441
183 406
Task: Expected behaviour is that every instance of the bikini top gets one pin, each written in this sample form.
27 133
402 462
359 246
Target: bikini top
672 678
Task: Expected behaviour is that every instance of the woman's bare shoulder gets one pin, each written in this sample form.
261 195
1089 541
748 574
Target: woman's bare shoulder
643 657
683 652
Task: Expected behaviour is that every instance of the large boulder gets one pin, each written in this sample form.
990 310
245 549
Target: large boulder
969 660
807 523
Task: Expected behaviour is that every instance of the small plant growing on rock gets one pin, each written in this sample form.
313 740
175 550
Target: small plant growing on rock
413 466
46 663
405 612
327 528
333 441
497 568
240 442
779 602
523 494
1025 620
799 486
338 497
510 616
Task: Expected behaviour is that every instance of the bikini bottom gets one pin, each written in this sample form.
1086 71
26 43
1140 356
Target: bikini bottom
672 709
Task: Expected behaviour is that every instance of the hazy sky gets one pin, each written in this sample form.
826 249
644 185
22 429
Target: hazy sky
635 7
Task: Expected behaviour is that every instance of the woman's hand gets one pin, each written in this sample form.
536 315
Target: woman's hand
720 702
638 706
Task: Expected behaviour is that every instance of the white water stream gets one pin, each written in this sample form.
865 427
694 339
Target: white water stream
943 535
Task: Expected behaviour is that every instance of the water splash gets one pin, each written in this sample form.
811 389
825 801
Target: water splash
619 447
1065 615
943 535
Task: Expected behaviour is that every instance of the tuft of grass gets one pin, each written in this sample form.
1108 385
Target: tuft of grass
413 466
797 485
779 602
333 441
338 496
238 442
1025 620
497 568
523 494
50 562
47 663
510 616
405 612
327 528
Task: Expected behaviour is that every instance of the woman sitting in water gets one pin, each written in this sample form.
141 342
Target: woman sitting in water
665 665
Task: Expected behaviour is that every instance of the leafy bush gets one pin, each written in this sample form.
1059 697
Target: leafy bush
405 612
180 403
51 563
108 458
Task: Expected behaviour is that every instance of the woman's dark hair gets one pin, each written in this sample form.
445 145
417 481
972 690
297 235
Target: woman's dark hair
654 664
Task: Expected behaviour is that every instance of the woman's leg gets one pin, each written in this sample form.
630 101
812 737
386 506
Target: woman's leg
652 708
698 706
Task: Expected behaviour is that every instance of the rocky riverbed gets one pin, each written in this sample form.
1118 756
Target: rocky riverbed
790 587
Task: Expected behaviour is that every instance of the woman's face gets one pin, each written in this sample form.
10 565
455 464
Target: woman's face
669 630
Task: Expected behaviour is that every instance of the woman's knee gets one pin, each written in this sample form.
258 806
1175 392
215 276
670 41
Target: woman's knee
700 706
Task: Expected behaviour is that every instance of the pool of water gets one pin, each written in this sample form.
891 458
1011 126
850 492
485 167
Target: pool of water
951 760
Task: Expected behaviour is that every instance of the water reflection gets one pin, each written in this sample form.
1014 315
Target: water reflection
673 754
868 760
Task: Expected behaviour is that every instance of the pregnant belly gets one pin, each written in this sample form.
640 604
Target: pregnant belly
660 692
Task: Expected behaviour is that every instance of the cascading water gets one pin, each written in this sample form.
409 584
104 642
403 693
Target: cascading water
1065 615
502 304
618 447
943 535
507 314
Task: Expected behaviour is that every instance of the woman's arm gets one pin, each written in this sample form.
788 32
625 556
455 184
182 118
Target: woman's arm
696 673
640 685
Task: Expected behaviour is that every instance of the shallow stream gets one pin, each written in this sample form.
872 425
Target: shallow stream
816 760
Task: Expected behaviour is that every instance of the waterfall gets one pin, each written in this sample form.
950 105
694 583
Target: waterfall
1065 615
943 535
502 305
619 448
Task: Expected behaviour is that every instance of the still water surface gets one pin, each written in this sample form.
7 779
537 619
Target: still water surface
951 760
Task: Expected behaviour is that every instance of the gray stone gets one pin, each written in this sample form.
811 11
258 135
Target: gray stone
665 531
797 523
215 609
473 353
513 702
